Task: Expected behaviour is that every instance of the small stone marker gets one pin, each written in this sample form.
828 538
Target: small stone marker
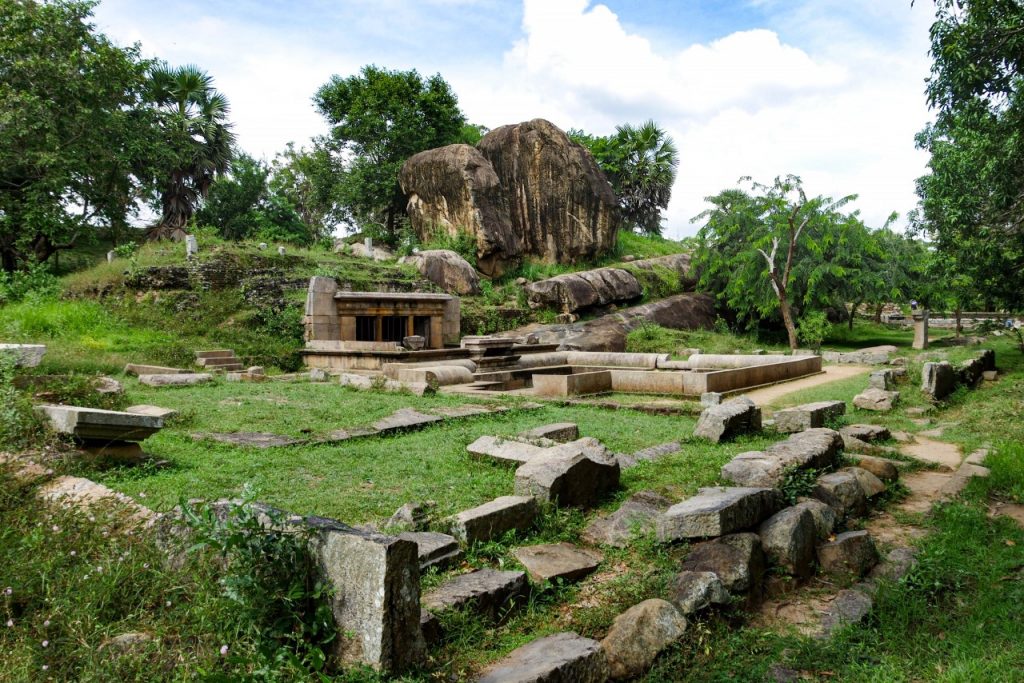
729 419
179 380
562 432
737 560
494 519
490 592
191 246
920 330
558 561
561 658
876 399
434 549
637 515
280 251
808 416
882 379
503 451
716 511
852 552
111 255
639 634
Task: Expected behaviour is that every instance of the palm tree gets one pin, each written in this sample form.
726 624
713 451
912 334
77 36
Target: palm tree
196 115
643 172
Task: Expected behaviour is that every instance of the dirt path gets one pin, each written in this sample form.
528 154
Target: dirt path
832 373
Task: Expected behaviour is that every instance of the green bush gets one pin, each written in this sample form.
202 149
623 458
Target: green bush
462 243
37 282
19 426
813 328
1006 462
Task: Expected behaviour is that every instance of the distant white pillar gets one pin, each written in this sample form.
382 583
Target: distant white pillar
921 329
280 251
110 256
191 246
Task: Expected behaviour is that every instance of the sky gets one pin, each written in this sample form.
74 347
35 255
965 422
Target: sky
829 90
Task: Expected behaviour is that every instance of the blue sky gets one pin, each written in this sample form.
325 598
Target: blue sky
831 90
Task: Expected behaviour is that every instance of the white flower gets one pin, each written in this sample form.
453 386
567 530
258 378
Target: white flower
168 603
142 494
99 569
73 553
55 528
8 590
46 667
10 623
46 643
145 565
223 650
46 623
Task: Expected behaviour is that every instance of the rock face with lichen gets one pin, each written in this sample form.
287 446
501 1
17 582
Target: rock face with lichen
524 190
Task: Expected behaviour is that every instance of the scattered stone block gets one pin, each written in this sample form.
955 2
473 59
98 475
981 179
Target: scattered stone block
897 564
562 432
958 482
434 549
85 494
561 658
876 399
824 516
579 473
715 512
94 424
248 439
729 419
503 451
181 379
737 560
375 595
691 592
788 539
883 468
430 627
989 375
318 375
152 411
126 643
489 592
639 634
814 448
651 454
882 379
137 369
807 416
869 483
558 561
404 419
865 433
842 492
108 385
637 515
710 398
938 380
24 355
852 552
849 607
494 519
410 517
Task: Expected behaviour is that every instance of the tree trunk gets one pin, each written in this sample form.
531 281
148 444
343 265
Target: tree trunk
958 313
9 258
853 310
878 313
787 319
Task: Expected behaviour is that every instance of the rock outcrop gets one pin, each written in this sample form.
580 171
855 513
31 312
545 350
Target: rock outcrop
525 190
447 270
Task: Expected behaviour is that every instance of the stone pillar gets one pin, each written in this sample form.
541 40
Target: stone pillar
378 330
451 327
921 329
110 256
436 332
191 246
348 328
321 319
410 326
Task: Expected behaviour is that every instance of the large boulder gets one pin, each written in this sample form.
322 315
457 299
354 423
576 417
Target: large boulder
729 419
639 634
575 291
737 560
447 270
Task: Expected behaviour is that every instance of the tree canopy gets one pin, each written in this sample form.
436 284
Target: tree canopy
380 118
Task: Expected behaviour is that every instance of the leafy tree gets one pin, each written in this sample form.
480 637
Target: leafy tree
194 115
763 250
308 181
380 118
641 163
78 145
971 202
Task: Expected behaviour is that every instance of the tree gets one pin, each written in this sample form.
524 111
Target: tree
308 180
762 250
78 144
194 117
641 164
972 204
379 119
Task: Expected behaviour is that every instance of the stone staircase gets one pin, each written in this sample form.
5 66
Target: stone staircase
219 359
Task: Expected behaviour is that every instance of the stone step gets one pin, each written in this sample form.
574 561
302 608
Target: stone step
95 424
226 367
558 561
215 353
435 550
488 592
495 518
717 511
561 658
503 451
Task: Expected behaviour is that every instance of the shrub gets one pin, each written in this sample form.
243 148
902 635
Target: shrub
37 281
19 426
813 328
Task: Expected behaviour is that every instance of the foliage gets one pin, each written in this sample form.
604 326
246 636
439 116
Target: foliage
798 482
971 202
36 280
194 115
306 180
378 119
774 249
19 426
641 164
814 328
79 144
271 574
462 243
653 338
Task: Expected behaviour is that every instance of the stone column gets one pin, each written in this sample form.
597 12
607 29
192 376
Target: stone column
321 320
378 332
921 329
436 332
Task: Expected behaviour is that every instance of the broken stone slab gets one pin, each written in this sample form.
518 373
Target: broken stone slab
876 399
24 355
494 519
108 385
152 411
990 375
339 435
882 379
824 516
938 380
183 379
137 369
869 483
841 491
715 512
488 592
560 658
85 494
578 474
410 517
503 451
558 561
729 419
651 454
847 608
561 432
963 475
883 468
639 634
788 538
347 379
404 419
865 432
94 424
248 439
691 592
736 559
710 398
807 416
434 549
637 515
22 470
814 448
852 552
374 584
897 564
